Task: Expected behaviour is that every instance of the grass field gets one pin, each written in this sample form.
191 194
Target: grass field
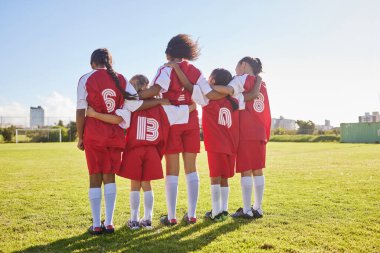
320 197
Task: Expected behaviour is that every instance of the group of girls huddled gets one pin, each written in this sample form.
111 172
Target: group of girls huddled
126 127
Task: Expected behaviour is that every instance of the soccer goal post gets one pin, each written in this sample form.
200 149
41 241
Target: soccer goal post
38 135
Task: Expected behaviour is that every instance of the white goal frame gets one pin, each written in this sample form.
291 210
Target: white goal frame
39 129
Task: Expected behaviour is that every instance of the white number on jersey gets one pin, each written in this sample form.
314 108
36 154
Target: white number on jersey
110 102
147 129
258 104
225 117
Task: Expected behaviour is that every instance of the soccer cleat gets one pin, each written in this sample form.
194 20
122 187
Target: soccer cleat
256 214
164 220
110 229
240 214
133 224
191 220
146 224
216 218
95 231
225 215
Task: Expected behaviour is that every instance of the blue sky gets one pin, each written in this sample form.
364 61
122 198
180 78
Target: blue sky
321 58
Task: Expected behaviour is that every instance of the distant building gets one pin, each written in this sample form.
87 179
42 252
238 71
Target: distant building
325 127
287 124
37 117
368 118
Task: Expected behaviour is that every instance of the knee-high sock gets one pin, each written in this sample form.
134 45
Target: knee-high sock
148 205
259 183
225 191
215 199
109 199
134 201
171 186
95 197
246 188
192 180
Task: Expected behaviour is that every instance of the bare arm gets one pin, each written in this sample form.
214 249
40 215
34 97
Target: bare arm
150 93
192 107
254 93
81 114
226 90
108 118
182 77
152 103
214 95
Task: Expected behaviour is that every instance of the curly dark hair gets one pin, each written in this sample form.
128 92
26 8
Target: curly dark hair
182 46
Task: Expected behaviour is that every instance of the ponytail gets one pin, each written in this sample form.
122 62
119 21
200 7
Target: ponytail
114 76
254 63
234 105
102 57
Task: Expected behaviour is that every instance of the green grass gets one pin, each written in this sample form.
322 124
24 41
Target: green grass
320 197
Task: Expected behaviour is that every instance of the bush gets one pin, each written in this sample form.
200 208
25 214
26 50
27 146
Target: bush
8 133
279 131
1 138
305 138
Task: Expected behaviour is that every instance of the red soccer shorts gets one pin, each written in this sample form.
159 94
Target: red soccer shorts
183 141
102 159
251 155
221 165
141 164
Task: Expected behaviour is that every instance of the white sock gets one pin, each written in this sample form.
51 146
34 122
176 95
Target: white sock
215 199
259 182
246 188
95 197
109 199
134 201
171 186
148 205
192 180
225 191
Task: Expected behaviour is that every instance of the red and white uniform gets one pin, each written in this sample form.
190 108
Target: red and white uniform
146 140
182 137
220 124
103 142
255 123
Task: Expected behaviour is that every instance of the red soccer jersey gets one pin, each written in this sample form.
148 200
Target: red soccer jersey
174 91
102 94
220 126
255 120
148 127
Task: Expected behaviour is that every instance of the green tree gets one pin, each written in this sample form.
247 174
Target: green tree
72 133
305 127
8 133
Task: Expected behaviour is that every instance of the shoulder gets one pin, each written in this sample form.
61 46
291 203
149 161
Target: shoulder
164 70
85 77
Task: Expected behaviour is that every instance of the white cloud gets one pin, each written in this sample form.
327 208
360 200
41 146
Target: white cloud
57 107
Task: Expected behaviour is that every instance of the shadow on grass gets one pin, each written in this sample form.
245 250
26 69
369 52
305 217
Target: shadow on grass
160 239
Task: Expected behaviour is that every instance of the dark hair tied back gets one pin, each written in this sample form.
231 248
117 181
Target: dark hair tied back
102 57
223 77
254 63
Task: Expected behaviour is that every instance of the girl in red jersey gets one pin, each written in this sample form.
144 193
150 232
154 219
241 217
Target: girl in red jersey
104 90
147 132
255 122
183 138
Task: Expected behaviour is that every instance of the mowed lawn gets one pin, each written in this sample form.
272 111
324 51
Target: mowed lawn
319 197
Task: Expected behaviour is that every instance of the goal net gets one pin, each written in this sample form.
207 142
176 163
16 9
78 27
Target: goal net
39 135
